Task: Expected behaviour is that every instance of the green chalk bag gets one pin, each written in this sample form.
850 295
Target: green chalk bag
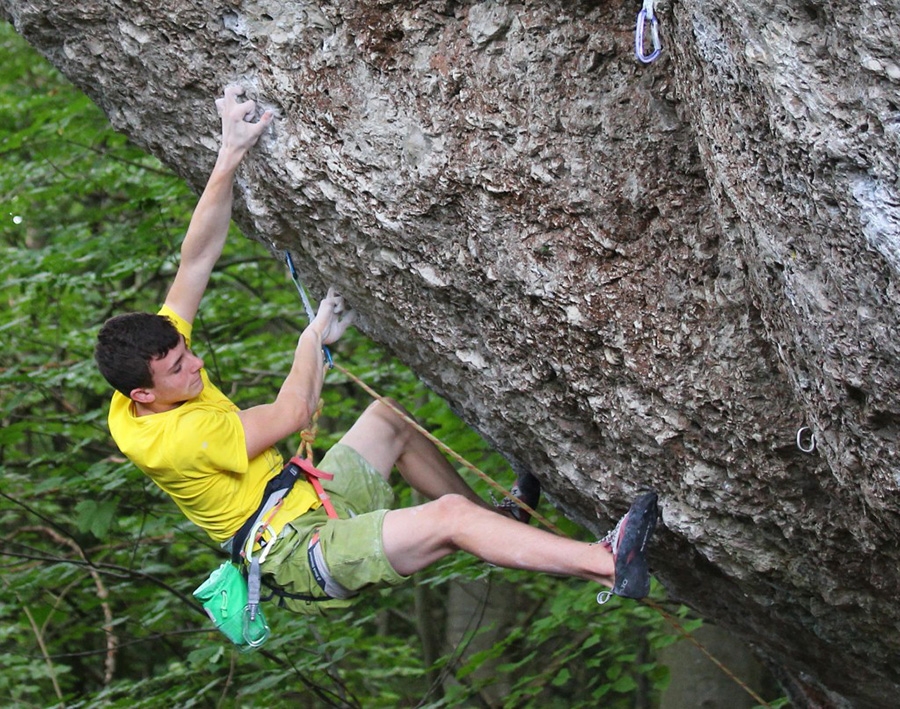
224 598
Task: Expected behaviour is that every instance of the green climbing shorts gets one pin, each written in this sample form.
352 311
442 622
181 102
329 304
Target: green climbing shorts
348 552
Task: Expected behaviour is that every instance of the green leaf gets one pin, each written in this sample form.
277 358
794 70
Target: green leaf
561 678
624 684
95 517
208 655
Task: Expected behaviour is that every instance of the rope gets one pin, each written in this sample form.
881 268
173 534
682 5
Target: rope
685 634
449 451
540 518
308 435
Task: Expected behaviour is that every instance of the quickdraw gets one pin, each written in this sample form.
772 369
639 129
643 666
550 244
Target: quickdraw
307 306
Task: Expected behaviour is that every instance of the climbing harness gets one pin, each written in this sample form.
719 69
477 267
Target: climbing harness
232 594
310 313
253 533
232 590
646 16
806 439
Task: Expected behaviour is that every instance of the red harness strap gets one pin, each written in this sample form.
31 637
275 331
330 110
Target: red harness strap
315 476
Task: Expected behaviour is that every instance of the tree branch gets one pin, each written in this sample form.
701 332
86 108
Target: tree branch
102 594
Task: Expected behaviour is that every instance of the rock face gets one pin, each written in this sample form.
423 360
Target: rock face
623 275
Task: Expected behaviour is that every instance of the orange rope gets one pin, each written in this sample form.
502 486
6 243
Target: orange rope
685 634
308 435
449 451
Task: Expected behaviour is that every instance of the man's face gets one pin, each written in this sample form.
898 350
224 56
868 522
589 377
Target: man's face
176 377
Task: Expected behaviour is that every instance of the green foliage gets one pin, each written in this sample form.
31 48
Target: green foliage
95 596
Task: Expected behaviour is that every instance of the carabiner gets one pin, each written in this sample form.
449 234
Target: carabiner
252 618
806 439
644 16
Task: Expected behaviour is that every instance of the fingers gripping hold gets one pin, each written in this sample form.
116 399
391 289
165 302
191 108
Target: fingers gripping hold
229 102
334 317
239 130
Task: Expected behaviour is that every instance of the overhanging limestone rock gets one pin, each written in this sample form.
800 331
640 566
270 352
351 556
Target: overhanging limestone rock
622 275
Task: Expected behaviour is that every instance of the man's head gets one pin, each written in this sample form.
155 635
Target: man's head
144 357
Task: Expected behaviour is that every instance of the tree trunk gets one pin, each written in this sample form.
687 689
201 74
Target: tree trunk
623 275
479 614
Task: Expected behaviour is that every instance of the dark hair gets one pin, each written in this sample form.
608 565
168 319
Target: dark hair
127 343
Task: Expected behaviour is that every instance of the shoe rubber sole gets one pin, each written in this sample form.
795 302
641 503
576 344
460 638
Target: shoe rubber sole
632 573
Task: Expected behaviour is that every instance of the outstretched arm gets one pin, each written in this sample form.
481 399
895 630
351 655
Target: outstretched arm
208 229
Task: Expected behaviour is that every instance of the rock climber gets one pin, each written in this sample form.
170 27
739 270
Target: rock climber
215 460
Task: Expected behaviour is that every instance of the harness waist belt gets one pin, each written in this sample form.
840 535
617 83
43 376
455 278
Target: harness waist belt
315 477
276 490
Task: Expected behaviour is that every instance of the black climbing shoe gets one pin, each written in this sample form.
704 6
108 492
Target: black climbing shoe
528 490
628 543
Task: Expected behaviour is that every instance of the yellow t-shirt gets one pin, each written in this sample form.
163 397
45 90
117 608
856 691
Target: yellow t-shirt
197 454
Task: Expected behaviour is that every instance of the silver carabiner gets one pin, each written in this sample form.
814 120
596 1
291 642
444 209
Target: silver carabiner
262 628
806 439
644 16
